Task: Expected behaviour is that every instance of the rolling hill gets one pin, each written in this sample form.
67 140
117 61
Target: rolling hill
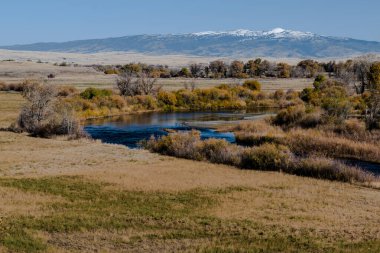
238 43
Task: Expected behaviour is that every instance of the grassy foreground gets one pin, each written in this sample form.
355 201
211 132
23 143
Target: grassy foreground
82 196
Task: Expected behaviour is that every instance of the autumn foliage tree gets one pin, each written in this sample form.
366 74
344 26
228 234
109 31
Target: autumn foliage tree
237 69
218 69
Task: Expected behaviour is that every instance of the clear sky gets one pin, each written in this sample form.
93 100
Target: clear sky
27 21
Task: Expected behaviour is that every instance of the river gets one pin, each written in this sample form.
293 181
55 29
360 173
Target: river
130 130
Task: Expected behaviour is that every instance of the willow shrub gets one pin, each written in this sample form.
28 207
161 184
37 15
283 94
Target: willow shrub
91 93
252 85
144 102
268 157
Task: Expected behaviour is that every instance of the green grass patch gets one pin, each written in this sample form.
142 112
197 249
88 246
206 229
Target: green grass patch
89 206
17 239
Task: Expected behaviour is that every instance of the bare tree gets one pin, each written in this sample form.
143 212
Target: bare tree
361 69
39 106
44 114
349 78
354 73
196 69
127 84
147 84
130 84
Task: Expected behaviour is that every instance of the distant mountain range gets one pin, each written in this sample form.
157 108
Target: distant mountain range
279 43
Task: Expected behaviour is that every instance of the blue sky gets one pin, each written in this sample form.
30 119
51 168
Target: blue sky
27 21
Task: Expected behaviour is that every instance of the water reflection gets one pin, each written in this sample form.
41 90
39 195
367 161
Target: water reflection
129 130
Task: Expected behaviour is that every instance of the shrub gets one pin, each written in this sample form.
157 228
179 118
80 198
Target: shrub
289 116
220 151
111 102
336 103
319 79
184 72
278 94
266 157
257 133
65 91
146 102
306 142
45 115
117 101
252 139
187 99
18 87
352 129
252 85
324 168
311 119
167 98
183 145
91 93
63 122
291 94
307 95
111 72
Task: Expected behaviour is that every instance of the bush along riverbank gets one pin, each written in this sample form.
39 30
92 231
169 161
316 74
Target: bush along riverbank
267 157
96 103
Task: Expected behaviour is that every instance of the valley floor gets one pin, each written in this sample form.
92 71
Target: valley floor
82 77
58 195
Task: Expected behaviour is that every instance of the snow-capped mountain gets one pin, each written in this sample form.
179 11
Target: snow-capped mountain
275 33
238 43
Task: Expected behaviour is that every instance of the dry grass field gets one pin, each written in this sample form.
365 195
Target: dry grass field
83 77
109 58
58 195
10 103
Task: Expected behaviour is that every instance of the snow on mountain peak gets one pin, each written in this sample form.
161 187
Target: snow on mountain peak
276 33
277 30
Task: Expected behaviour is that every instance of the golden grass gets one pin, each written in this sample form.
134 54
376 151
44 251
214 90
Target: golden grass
83 77
24 156
322 206
335 211
16 202
260 204
313 141
10 104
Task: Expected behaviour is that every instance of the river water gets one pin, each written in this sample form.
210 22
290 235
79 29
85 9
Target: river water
129 130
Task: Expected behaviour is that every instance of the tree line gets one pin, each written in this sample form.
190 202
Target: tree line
256 68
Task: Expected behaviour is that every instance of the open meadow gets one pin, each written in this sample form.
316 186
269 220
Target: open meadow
83 77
